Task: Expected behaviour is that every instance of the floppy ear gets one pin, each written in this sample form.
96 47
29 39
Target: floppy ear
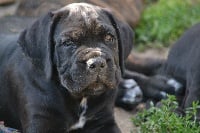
125 38
37 43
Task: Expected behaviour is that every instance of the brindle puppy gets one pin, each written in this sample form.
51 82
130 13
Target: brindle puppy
62 73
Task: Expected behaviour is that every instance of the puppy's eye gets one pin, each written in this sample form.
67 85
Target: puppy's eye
109 38
67 42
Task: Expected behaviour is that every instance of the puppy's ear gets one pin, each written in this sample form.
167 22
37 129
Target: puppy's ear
125 38
37 43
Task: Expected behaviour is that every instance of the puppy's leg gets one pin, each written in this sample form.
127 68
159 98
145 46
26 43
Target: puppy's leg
151 86
102 122
192 94
109 128
42 118
43 125
147 66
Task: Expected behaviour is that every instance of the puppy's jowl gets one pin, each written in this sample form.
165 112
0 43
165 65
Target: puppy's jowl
60 75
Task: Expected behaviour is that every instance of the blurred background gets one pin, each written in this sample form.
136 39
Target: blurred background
157 23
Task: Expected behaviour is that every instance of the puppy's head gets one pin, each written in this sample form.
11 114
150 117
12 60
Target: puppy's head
85 43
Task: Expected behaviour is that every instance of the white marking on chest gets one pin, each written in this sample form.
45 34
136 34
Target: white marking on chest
82 119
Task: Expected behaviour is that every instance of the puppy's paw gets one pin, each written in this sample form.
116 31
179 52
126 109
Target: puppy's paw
177 86
131 94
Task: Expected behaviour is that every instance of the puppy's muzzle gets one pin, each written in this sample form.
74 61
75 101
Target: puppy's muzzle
97 64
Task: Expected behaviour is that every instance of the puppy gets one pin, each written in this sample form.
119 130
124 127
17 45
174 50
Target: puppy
183 64
61 74
178 74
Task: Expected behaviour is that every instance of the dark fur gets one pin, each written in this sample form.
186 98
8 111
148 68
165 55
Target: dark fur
45 74
183 64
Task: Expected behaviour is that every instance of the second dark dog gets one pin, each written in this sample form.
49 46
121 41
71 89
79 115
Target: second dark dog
182 64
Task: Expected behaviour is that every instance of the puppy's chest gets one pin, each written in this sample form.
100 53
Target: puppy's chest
82 117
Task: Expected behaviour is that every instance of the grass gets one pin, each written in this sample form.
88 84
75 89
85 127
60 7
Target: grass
165 120
164 21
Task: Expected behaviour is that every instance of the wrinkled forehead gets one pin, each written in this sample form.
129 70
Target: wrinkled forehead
84 15
84 11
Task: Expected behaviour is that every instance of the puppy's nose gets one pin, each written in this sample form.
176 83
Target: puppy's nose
97 63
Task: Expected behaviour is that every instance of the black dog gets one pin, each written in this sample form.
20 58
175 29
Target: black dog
154 76
183 64
61 74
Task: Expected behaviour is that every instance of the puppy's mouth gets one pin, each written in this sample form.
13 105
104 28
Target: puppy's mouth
94 89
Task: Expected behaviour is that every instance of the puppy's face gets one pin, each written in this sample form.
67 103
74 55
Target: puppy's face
86 51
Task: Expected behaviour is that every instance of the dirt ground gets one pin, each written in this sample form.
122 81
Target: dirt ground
123 118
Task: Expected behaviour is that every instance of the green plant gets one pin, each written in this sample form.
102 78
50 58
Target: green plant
165 20
165 120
